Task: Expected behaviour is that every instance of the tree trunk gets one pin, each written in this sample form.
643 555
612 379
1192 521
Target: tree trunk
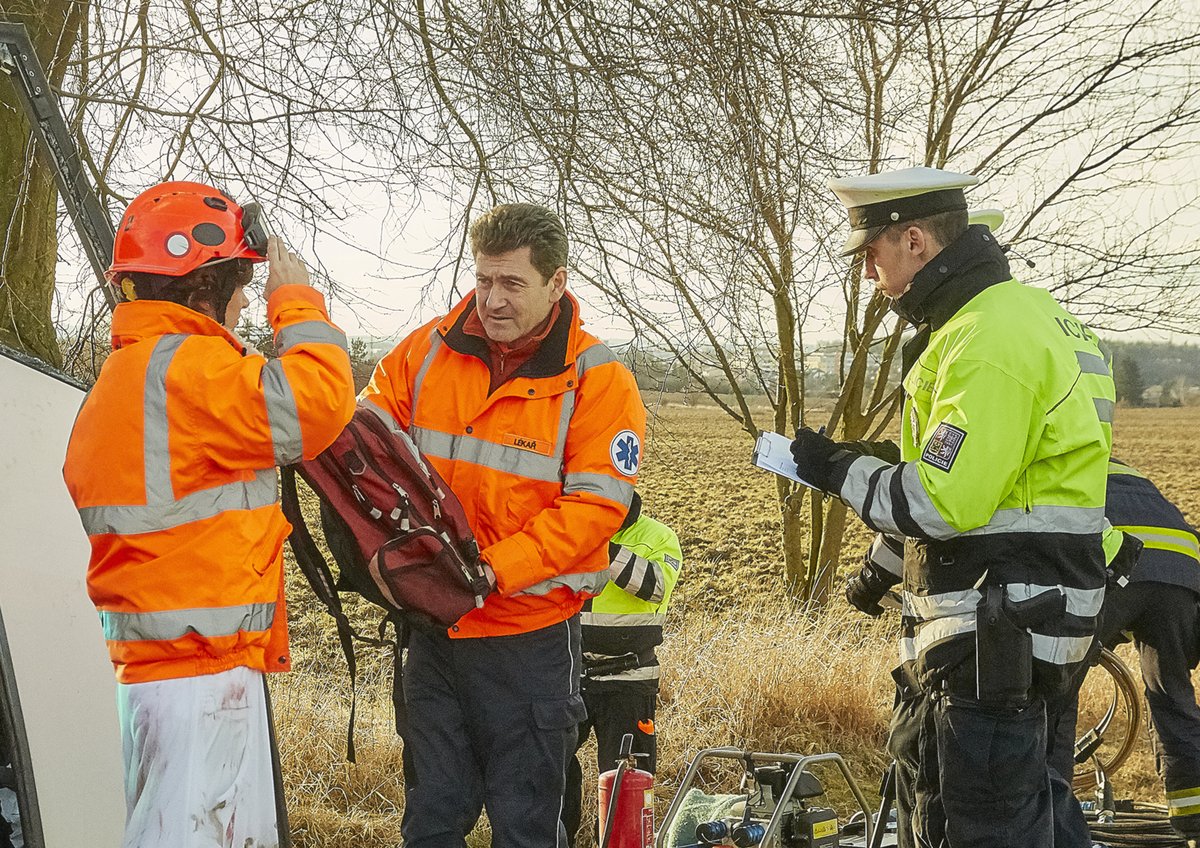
28 196
824 569
795 554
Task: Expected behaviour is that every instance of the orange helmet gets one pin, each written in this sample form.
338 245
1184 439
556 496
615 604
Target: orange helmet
174 228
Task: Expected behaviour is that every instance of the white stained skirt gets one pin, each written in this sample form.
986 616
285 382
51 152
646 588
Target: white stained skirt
198 762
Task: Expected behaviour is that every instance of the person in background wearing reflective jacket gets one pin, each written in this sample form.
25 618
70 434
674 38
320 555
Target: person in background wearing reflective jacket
537 427
621 628
172 466
998 493
1157 606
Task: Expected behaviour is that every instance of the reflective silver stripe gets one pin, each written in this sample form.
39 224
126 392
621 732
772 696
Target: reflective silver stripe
510 460
618 563
597 354
590 581
130 520
1184 802
1084 603
858 477
935 632
1090 363
1037 519
920 506
638 576
623 619
1060 650
308 332
282 414
882 512
927 607
646 672
1044 519
884 557
1167 541
435 343
157 456
173 624
1104 409
564 423
599 484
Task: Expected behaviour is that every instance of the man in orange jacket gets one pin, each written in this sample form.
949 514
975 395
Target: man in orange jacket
172 467
537 428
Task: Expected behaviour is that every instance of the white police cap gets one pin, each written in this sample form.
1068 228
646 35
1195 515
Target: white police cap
876 201
993 219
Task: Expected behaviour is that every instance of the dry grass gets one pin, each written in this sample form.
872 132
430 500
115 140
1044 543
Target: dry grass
742 665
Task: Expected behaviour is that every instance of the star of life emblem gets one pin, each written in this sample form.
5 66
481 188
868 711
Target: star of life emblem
625 451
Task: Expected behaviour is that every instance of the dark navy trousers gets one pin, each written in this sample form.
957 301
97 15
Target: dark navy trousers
1165 623
491 725
971 775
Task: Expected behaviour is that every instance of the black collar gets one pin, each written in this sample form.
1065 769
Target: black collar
972 263
550 358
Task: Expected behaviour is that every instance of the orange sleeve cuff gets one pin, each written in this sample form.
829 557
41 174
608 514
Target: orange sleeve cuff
515 563
296 297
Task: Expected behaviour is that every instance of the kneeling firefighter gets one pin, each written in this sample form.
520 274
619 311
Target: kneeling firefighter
621 628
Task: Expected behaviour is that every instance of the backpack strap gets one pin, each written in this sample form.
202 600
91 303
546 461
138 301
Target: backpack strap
316 570
402 630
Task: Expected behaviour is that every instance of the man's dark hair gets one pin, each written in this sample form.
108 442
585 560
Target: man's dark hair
207 289
511 226
946 227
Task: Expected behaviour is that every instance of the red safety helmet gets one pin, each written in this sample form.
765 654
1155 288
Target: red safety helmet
174 228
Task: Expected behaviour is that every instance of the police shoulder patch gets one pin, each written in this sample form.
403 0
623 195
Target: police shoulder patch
942 448
625 452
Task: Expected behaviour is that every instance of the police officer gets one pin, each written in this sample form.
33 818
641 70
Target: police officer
621 628
999 495
1158 607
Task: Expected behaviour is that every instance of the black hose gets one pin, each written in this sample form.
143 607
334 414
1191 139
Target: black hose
1146 827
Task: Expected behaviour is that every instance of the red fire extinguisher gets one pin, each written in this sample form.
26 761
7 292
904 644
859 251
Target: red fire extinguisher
627 822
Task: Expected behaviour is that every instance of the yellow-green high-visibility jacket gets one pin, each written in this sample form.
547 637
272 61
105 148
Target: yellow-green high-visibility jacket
1005 443
627 617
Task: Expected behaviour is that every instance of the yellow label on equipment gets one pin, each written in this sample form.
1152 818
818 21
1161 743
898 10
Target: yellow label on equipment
648 799
825 828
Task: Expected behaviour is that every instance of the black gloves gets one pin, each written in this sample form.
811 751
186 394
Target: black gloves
887 450
823 462
813 452
865 589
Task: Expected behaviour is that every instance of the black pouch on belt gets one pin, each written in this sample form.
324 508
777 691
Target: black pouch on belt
1004 645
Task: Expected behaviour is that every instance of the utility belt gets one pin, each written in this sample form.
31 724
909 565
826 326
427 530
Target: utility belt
1002 673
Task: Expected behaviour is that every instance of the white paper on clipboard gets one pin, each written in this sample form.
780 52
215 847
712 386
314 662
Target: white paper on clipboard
773 453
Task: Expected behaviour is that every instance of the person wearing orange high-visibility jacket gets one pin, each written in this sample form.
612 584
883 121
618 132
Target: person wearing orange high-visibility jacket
172 467
537 428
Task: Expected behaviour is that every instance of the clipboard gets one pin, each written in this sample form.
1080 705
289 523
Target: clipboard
773 452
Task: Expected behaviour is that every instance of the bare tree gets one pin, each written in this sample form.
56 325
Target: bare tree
295 106
28 197
689 144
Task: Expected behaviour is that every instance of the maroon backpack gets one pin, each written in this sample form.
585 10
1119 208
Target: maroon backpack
398 534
